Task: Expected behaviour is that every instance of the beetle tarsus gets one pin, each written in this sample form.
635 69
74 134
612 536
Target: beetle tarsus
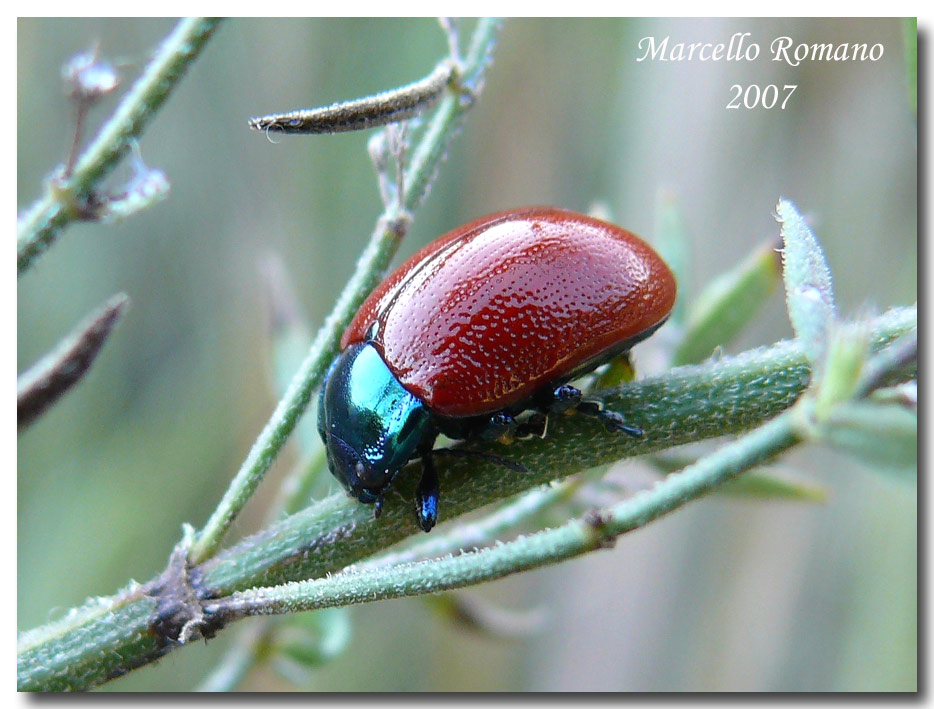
428 494
378 507
613 421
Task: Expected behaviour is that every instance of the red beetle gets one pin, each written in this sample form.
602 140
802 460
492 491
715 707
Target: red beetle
488 321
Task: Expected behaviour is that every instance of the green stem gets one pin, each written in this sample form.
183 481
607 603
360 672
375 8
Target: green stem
684 405
112 636
430 150
376 257
569 540
479 532
433 146
38 227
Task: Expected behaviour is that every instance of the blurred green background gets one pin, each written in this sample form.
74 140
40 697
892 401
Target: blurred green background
723 595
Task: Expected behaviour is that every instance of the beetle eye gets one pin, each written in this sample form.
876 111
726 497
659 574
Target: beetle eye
352 469
348 468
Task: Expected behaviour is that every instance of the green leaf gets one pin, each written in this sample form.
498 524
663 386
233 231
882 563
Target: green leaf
846 355
884 436
673 245
485 618
314 638
768 486
726 306
808 287
616 372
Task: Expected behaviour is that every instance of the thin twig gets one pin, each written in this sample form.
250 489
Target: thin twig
383 244
109 637
378 110
48 379
896 357
38 226
596 530
480 532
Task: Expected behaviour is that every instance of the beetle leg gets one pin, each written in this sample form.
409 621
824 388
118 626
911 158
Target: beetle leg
501 427
537 425
563 398
567 397
428 494
611 419
378 506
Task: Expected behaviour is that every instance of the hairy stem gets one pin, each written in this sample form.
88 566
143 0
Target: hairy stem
686 404
39 225
383 244
528 552
112 636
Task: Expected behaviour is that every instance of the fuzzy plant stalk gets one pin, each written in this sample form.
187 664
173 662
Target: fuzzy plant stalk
684 405
401 193
334 553
371 266
466 81
846 364
110 636
40 224
574 538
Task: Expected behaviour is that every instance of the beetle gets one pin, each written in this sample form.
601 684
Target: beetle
492 319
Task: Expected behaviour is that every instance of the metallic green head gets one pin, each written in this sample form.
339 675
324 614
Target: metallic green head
370 424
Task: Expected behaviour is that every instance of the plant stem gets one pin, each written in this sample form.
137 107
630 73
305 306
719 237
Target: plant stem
480 532
685 405
112 636
376 257
412 186
38 227
572 539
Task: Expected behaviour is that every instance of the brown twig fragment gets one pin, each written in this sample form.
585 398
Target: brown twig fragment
377 110
42 384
